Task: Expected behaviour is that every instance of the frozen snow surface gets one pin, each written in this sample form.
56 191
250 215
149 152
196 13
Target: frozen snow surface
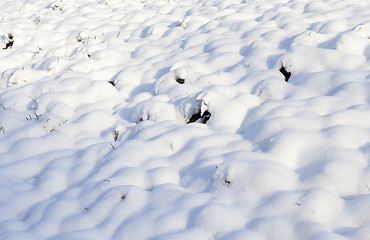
184 119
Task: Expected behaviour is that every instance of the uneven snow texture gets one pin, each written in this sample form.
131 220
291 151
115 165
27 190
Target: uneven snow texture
172 119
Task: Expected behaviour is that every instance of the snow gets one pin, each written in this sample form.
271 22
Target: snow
193 119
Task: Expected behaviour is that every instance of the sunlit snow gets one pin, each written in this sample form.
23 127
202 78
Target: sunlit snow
184 119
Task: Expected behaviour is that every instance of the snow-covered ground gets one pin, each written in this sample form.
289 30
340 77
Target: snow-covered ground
184 119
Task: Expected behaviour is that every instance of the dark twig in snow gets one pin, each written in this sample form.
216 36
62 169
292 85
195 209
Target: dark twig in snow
116 134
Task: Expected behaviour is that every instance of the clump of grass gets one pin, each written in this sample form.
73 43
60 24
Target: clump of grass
36 116
56 7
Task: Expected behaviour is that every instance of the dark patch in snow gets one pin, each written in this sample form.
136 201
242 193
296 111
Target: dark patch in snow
56 7
111 82
194 118
180 80
200 118
116 134
10 42
205 116
227 182
285 73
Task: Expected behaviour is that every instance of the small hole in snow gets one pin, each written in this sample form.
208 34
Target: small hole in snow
111 82
285 73
180 80
197 117
228 182
194 118
205 116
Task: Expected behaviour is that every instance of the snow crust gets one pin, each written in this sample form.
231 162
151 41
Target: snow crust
169 119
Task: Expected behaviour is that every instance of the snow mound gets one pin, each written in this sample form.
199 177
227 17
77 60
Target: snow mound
169 119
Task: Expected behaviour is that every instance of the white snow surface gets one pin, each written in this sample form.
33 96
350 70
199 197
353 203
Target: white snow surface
170 119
